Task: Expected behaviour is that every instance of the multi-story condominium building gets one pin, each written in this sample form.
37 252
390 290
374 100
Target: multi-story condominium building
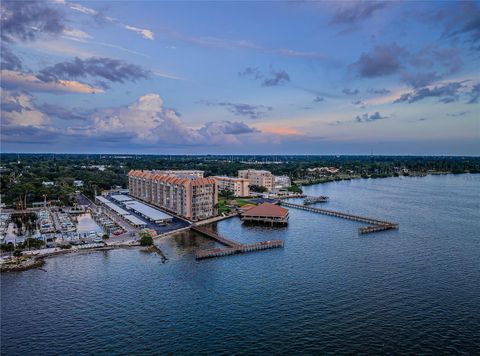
257 177
180 173
189 196
282 182
239 186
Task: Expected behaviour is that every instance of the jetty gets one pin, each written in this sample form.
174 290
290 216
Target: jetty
232 247
376 225
312 200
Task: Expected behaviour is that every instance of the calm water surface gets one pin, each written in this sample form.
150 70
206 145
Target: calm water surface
416 290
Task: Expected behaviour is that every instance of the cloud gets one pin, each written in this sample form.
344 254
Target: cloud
274 77
100 17
240 109
318 99
458 114
214 128
148 121
28 20
348 91
113 70
277 77
216 42
447 92
63 113
474 94
382 61
250 71
352 12
76 34
18 80
369 118
380 91
18 110
460 19
147 34
360 104
419 80
9 60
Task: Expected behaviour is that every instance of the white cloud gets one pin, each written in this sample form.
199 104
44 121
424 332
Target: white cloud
18 110
147 34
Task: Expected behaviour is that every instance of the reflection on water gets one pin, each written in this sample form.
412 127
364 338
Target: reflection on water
87 224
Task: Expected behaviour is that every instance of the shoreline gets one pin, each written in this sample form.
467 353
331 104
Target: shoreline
339 179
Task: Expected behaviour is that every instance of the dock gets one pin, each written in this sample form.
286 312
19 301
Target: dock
312 200
376 225
233 247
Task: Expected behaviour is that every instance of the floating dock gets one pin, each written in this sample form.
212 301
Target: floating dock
377 225
233 247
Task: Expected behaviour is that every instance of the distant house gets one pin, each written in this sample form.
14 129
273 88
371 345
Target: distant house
282 182
48 184
78 183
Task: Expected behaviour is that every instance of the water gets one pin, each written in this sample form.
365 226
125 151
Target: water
416 290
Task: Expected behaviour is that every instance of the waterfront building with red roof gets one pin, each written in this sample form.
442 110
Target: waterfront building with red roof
266 213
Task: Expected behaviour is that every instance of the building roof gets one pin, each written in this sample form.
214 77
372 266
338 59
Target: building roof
121 197
148 211
134 220
102 199
267 210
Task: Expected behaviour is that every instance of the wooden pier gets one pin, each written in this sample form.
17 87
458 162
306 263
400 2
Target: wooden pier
233 247
376 225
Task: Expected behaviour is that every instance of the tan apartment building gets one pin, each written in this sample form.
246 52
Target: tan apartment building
258 177
191 197
239 186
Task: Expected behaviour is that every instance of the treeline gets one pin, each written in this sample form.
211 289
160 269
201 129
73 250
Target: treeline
22 174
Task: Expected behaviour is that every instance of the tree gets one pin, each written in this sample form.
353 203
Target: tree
227 193
146 239
258 188
17 253
105 236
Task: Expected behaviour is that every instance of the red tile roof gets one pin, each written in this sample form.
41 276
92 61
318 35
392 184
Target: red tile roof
267 210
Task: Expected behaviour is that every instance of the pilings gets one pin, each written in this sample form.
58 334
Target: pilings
377 225
233 247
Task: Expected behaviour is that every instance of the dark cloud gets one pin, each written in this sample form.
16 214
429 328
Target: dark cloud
348 91
458 114
63 113
114 70
318 99
369 118
226 128
419 80
240 109
250 71
461 19
359 103
422 119
474 94
354 12
447 93
27 20
380 91
275 77
382 61
9 60
28 134
448 59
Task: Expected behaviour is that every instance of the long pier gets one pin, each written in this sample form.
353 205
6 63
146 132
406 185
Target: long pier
377 225
233 247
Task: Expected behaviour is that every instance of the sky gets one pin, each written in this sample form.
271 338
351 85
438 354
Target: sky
362 77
